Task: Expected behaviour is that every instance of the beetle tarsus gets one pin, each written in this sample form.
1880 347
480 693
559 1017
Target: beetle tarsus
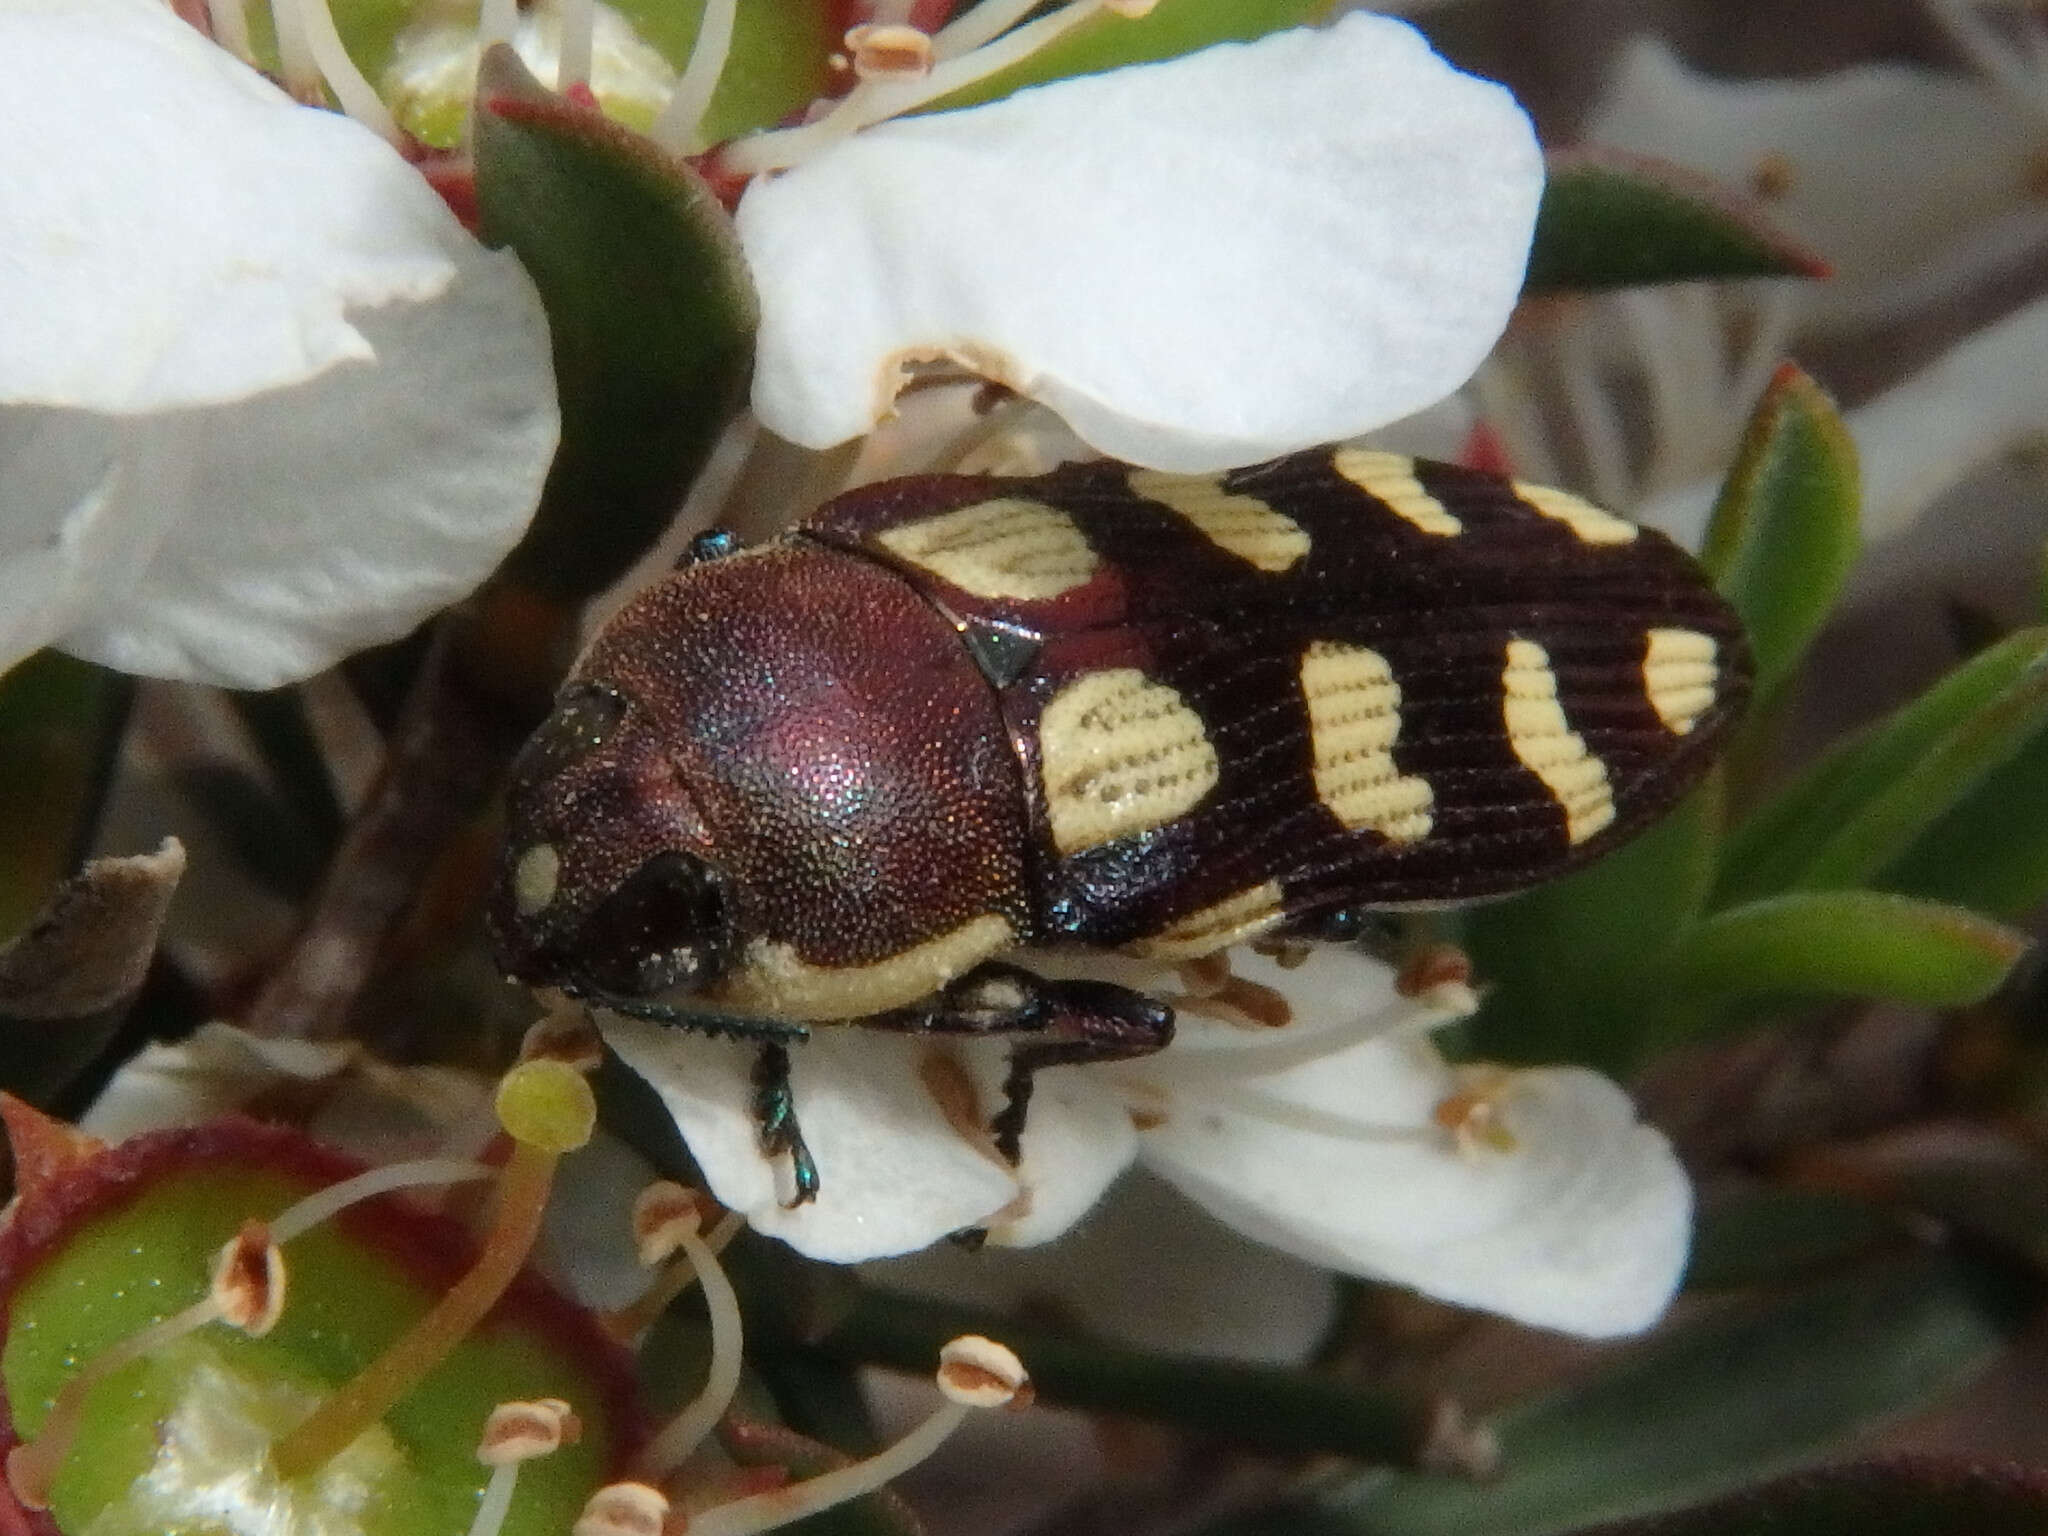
775 1122
1085 1021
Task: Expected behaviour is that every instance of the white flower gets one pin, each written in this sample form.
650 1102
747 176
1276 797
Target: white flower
1198 263
1343 1138
262 401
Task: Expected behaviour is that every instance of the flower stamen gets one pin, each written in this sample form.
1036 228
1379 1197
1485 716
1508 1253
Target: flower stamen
681 121
666 1221
1473 1113
547 1109
567 1034
326 57
973 1373
1439 975
623 1509
249 1280
1282 1050
229 24
516 1433
873 101
884 51
579 30
496 23
247 1291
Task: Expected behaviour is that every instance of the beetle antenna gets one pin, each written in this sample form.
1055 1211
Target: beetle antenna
728 1026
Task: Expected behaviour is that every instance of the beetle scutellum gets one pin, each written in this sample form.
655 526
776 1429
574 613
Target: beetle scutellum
833 779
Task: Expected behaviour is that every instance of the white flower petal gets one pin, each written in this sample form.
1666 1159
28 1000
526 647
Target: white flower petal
177 232
1148 1269
1197 263
58 540
263 402
282 532
896 1175
1909 182
215 1072
1582 1227
1985 397
1077 1138
378 1112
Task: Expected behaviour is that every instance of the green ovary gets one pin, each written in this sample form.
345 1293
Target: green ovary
175 1444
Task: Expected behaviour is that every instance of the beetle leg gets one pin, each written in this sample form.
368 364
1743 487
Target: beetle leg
1091 1028
775 1121
1067 1022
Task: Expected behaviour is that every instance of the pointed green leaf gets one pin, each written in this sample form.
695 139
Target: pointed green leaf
1108 41
1702 1409
1784 532
1900 1498
1878 796
652 314
1846 943
1563 963
1990 851
1610 220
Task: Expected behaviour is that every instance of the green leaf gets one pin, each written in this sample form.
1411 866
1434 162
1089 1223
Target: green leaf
1563 964
1990 851
652 314
1610 220
1846 943
1784 532
1108 41
1899 1498
1773 1234
1876 797
61 723
1702 1409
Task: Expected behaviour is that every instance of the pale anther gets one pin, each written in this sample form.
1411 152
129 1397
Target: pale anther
248 1280
1439 975
1473 1113
568 1035
623 1509
973 1373
885 51
518 1432
981 1373
1130 10
663 1214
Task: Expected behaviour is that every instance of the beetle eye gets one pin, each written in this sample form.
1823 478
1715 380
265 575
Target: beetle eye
664 927
584 717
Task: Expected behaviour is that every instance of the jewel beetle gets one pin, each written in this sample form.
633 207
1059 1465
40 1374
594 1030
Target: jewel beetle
835 778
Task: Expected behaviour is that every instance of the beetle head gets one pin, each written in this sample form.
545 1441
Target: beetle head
602 889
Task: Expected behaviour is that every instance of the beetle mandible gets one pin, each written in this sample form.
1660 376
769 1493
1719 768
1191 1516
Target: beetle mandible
833 779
